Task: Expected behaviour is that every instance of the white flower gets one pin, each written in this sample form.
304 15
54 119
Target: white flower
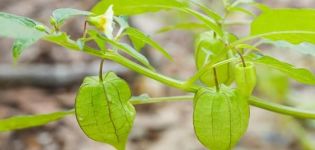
104 22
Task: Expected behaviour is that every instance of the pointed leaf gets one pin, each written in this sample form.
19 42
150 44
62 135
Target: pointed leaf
210 23
98 40
293 25
243 10
141 37
305 48
18 27
63 14
129 50
62 39
18 47
22 122
183 26
137 44
220 118
132 52
103 109
299 74
26 31
208 11
122 21
132 7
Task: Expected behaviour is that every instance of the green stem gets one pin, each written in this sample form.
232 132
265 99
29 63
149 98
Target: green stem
136 101
255 101
101 70
217 86
129 64
182 85
258 102
242 58
149 73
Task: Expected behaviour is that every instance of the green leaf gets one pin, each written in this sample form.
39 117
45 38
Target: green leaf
22 122
19 45
305 48
247 46
132 52
208 11
103 109
98 40
122 21
63 40
183 26
63 14
141 37
243 10
18 27
128 50
293 25
212 24
299 74
26 32
133 7
220 118
137 44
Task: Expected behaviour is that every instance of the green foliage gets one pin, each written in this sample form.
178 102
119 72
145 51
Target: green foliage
130 51
299 74
22 122
140 38
133 7
23 29
293 25
304 48
19 45
220 118
62 14
210 23
212 14
103 109
63 40
183 26
18 27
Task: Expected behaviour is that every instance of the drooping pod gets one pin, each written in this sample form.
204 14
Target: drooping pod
220 118
103 110
211 49
245 78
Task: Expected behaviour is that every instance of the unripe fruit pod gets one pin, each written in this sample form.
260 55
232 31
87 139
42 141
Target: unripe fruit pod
103 109
245 78
211 49
220 118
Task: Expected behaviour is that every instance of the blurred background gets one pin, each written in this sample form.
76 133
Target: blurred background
47 77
